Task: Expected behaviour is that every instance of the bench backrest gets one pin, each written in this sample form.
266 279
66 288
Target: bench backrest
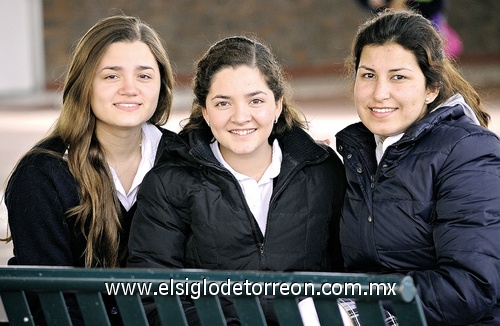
50 283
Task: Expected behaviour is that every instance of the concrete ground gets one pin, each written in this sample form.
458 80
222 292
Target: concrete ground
26 118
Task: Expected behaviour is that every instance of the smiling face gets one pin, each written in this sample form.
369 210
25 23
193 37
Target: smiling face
241 111
390 92
126 86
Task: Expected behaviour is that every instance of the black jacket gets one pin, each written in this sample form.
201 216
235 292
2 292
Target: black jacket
192 213
39 193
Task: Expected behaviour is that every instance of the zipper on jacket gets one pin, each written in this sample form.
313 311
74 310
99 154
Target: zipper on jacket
287 181
261 249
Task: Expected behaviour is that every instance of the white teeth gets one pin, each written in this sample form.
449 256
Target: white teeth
128 105
385 110
242 132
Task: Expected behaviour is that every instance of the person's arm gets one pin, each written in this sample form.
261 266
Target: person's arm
339 184
157 233
157 237
36 197
465 284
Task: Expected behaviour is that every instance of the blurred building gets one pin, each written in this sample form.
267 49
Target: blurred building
309 36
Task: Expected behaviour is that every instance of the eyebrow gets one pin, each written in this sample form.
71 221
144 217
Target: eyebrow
119 68
390 70
226 97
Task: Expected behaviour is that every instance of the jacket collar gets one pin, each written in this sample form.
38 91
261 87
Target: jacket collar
437 116
297 146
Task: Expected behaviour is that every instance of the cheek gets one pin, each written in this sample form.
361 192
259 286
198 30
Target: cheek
361 92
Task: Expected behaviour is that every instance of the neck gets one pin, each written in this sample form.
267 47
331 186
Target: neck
253 165
123 152
119 146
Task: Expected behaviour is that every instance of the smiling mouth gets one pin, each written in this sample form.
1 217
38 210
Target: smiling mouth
382 110
127 105
242 132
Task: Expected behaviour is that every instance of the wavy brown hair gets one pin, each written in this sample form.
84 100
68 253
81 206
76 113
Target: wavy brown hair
98 213
416 34
237 51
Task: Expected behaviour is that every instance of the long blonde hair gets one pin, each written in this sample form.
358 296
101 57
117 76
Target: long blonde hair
98 213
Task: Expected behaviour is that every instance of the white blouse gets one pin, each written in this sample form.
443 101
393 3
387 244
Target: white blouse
257 194
151 136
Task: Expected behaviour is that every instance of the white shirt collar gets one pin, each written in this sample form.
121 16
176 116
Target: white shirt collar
271 172
151 136
257 194
383 144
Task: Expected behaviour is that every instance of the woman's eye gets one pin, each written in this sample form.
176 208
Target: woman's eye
368 75
257 101
399 77
222 104
144 76
111 77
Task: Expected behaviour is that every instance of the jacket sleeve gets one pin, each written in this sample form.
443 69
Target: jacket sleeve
35 200
157 233
157 237
37 197
339 184
466 282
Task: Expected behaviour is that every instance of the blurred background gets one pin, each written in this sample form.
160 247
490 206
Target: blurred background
309 36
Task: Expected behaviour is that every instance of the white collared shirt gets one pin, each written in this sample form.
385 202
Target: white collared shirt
151 136
383 144
257 194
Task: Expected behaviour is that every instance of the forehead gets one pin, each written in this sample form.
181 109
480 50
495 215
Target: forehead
124 53
239 76
387 55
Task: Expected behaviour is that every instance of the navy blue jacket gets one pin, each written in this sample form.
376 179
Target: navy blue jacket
429 209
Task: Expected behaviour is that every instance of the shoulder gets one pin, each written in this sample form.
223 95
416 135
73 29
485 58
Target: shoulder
461 132
41 172
300 146
47 157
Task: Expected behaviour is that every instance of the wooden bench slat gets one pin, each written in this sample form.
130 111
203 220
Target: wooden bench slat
170 310
131 310
249 311
406 312
92 308
370 313
54 308
328 311
16 307
210 311
288 311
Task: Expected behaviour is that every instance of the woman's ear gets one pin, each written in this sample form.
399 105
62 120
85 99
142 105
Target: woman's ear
432 93
279 109
205 115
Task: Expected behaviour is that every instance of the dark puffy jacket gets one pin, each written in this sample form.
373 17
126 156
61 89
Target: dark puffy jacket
192 213
429 209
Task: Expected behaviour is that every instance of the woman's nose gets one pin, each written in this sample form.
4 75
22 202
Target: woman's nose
241 113
128 86
381 91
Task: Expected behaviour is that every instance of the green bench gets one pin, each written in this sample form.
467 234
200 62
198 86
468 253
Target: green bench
51 282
